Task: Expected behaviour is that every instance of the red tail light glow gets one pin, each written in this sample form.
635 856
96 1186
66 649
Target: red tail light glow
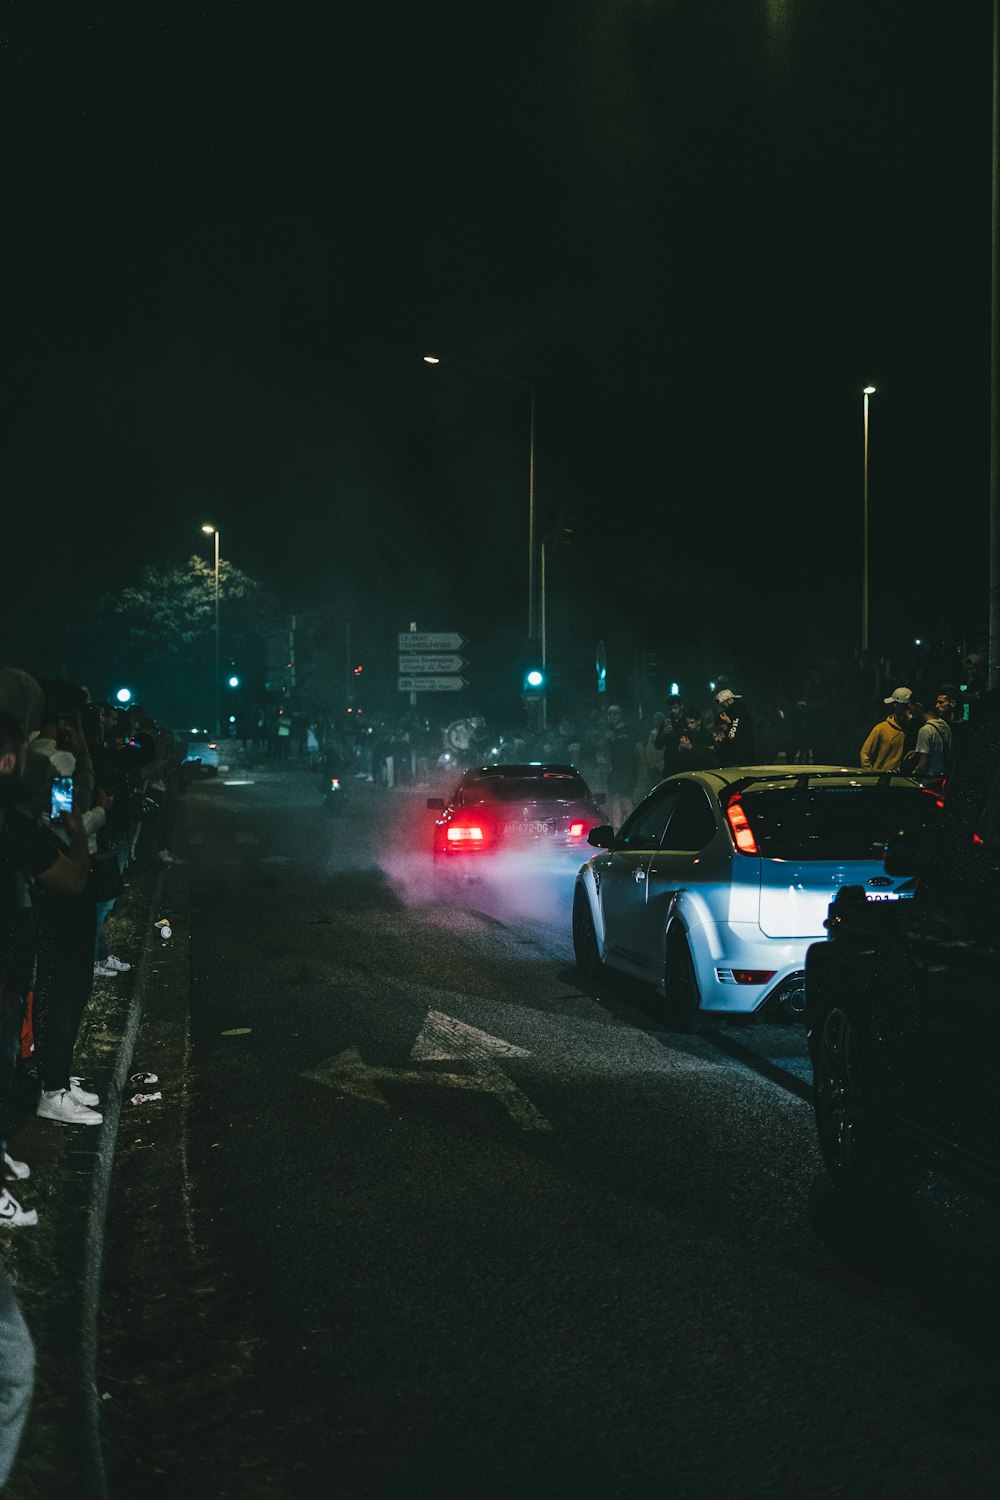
753 976
576 830
467 834
740 826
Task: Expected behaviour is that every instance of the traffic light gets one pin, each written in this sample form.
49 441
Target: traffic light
534 680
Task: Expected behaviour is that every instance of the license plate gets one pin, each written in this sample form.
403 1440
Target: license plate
887 895
534 828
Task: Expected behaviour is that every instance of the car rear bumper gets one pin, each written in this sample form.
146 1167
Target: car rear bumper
746 949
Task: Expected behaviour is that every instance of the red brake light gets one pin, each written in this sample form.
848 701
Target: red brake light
213 747
576 830
740 826
753 976
464 833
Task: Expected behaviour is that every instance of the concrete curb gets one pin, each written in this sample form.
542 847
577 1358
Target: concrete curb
94 1477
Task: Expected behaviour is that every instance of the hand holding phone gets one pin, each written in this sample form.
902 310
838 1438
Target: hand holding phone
62 798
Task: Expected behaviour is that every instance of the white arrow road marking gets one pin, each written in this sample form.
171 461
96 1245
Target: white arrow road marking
442 1038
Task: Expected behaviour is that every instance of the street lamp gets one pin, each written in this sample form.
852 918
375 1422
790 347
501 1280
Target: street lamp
214 531
529 385
869 390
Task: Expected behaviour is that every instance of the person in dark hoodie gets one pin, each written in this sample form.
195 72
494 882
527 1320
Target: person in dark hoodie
737 743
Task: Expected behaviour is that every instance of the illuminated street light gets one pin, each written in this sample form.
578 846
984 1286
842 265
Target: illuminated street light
869 390
234 682
214 531
124 695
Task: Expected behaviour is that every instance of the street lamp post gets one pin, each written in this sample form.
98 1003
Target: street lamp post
214 531
529 385
869 390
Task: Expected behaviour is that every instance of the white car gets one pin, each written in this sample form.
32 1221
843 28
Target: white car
719 881
202 751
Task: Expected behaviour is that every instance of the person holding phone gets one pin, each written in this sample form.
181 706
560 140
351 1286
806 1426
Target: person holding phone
30 857
65 921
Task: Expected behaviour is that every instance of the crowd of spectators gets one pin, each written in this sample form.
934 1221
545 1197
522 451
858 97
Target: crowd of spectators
85 801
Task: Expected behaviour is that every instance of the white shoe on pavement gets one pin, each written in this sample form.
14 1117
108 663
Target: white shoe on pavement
16 1171
118 964
12 1213
103 970
79 1092
65 1108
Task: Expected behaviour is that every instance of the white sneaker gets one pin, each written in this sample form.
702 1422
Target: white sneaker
18 1170
79 1092
12 1213
118 964
104 970
65 1108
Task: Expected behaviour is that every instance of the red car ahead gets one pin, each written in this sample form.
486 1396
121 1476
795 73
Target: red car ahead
506 809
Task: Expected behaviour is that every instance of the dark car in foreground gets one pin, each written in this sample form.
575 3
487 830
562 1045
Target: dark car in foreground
537 808
903 1000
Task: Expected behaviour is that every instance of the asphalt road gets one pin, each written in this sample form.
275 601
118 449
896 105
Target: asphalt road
474 1228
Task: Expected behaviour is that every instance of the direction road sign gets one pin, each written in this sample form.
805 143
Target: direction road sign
431 684
437 664
422 640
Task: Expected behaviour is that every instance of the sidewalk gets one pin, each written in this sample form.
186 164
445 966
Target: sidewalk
55 1267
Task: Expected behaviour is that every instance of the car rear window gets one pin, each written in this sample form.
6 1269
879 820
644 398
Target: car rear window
557 787
835 821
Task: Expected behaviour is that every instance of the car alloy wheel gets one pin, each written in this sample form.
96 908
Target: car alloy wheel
841 1121
681 996
585 949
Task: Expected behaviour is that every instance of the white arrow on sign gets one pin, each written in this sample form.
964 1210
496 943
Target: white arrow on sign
442 1039
423 640
431 684
432 663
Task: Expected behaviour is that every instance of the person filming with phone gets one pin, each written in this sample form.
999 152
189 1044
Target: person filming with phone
65 924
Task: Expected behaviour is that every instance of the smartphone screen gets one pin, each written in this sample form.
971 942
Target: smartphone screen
62 797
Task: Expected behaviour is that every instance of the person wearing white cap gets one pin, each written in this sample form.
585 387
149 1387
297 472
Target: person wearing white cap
884 747
736 743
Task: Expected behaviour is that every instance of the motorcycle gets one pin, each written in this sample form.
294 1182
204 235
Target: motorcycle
333 796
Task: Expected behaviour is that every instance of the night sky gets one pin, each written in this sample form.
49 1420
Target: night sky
232 230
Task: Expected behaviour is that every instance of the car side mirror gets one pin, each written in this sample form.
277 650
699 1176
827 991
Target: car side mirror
601 837
436 804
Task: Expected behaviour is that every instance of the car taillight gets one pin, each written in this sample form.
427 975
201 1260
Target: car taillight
753 976
576 830
740 826
213 747
465 833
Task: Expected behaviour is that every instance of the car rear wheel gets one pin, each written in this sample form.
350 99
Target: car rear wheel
858 1148
681 996
585 949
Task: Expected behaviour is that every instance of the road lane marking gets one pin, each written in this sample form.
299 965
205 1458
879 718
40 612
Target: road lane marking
442 1038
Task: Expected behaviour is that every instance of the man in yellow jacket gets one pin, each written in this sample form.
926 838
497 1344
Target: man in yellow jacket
883 749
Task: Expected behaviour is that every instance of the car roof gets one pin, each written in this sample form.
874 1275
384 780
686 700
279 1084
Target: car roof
523 770
745 776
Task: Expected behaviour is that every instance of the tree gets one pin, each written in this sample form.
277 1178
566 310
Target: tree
171 609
